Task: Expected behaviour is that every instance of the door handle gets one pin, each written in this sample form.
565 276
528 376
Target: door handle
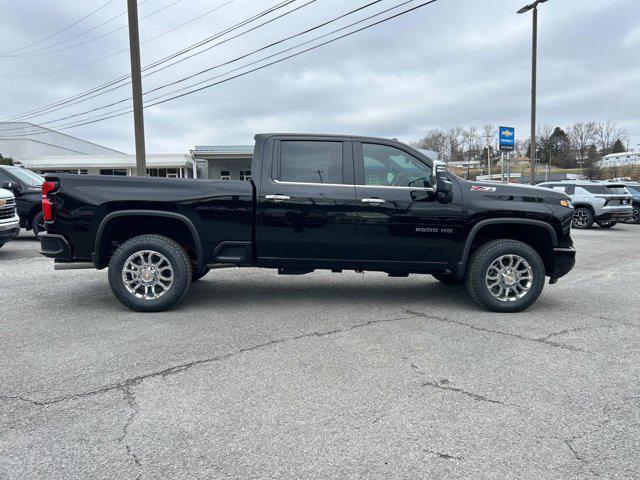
277 198
372 200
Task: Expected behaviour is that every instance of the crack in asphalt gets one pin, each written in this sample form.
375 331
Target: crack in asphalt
444 385
609 319
563 332
446 456
130 382
542 341
134 408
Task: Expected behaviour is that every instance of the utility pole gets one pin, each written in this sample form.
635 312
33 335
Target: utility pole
136 85
534 61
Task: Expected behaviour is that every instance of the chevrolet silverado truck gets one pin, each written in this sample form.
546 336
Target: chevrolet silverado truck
9 220
313 202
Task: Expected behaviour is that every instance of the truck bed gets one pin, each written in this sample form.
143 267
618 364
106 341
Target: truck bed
219 210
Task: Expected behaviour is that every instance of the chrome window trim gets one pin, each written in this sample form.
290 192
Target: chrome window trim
314 183
426 189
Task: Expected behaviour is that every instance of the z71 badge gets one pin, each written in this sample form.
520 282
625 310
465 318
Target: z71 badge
481 188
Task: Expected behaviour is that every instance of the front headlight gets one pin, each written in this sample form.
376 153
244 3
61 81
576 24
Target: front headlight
566 203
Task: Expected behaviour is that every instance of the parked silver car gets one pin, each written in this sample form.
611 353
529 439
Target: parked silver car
9 220
596 202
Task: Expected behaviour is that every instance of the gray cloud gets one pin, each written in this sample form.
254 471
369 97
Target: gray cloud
454 62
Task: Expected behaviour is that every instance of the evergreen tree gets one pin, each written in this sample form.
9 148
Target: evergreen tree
618 147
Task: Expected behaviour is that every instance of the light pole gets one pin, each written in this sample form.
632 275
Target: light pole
534 58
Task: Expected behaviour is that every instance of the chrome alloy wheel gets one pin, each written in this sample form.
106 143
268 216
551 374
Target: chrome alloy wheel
635 216
147 274
580 218
509 278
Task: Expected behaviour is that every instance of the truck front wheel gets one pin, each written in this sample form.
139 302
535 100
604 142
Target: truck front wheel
149 273
505 276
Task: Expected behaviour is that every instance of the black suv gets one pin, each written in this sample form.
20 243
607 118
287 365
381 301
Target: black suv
27 188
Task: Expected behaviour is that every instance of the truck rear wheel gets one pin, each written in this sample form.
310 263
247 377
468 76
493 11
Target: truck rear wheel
149 273
505 276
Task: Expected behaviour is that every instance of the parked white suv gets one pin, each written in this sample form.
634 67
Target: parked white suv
596 202
9 220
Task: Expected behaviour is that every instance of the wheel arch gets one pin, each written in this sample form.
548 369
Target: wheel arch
540 235
587 206
100 253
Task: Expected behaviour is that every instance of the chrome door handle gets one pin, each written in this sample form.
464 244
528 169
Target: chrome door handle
277 198
372 200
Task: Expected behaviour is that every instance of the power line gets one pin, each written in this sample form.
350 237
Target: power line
59 31
110 115
323 24
38 53
105 88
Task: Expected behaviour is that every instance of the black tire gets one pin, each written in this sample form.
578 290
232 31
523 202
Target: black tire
197 276
479 266
37 224
635 216
174 255
582 218
447 279
607 224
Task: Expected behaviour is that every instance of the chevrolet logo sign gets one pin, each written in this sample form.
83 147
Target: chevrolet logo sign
507 133
3 203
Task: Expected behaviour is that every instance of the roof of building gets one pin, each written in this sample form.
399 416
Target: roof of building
622 154
223 149
23 139
104 161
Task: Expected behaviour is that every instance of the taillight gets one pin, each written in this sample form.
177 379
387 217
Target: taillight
47 206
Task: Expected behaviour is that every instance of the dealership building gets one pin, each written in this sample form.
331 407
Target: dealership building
44 150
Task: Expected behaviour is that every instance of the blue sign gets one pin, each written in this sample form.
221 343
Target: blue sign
507 138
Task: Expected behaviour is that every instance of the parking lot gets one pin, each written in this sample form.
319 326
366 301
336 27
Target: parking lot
256 375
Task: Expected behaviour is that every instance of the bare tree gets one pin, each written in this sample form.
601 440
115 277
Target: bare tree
582 135
489 133
454 143
606 134
435 140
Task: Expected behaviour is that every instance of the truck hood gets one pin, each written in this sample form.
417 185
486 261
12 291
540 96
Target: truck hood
5 194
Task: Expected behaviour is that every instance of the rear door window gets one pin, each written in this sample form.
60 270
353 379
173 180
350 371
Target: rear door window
311 162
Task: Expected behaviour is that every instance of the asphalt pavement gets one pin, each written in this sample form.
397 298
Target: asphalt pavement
256 375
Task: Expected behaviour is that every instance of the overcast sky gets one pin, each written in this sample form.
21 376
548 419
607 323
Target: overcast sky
455 62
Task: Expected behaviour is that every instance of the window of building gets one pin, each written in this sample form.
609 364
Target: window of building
392 167
113 171
162 172
73 171
311 162
225 175
245 175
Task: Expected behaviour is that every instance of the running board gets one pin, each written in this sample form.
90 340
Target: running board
73 265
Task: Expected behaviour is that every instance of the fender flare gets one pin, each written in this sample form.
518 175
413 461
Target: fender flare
462 264
97 260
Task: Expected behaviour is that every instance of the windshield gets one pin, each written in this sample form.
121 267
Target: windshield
634 190
26 176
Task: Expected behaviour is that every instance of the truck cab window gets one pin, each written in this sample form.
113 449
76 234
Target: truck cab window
392 167
311 162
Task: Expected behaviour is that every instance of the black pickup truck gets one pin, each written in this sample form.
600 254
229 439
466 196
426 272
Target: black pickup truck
314 202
